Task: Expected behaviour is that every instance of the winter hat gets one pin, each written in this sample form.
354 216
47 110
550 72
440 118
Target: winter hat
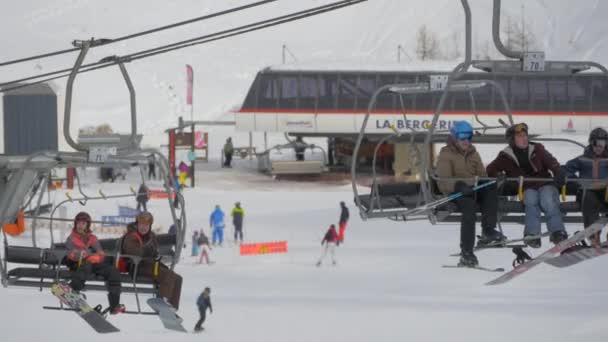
461 130
145 217
83 216
515 129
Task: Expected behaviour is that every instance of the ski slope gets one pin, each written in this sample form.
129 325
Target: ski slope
388 284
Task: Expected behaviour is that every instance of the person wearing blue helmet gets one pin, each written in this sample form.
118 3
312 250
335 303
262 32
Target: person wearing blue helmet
460 159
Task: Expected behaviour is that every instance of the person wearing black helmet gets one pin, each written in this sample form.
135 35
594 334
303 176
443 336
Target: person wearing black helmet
522 158
460 159
592 164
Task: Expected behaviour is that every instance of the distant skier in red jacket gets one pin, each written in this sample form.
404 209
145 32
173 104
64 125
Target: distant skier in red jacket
330 241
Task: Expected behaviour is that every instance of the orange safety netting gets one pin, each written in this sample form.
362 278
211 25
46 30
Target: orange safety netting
264 248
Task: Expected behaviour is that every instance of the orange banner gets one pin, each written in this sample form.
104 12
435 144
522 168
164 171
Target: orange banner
264 248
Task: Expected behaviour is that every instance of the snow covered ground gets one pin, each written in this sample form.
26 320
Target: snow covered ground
388 284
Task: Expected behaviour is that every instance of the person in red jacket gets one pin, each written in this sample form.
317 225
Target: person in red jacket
86 257
330 241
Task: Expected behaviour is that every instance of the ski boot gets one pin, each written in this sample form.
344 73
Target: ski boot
533 242
491 237
558 236
120 308
468 259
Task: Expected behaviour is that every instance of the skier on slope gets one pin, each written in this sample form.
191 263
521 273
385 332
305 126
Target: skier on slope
216 223
330 240
460 159
203 242
203 302
593 164
86 257
195 243
344 215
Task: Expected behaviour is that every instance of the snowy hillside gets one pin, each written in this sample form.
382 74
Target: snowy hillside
365 33
388 284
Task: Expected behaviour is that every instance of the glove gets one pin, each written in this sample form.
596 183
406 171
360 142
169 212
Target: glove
465 189
559 179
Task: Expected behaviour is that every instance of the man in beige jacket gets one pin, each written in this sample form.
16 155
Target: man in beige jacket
460 159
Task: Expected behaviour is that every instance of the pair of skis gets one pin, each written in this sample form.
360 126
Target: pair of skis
97 321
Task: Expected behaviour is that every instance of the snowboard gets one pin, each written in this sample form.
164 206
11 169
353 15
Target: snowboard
568 259
76 301
551 253
166 314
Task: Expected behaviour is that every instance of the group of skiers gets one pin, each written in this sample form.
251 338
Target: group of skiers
333 238
520 158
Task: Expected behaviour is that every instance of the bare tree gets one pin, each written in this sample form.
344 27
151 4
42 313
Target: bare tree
517 35
427 44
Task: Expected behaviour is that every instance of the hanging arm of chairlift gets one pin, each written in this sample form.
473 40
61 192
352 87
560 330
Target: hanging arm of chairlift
84 48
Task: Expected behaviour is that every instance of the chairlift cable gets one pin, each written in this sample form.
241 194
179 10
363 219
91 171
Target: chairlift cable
186 43
141 33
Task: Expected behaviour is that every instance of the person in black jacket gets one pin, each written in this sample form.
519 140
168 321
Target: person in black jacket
142 198
593 164
203 302
344 215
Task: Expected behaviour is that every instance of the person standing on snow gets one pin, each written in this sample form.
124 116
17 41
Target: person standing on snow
228 151
344 215
203 302
195 243
330 241
238 214
142 198
593 164
86 257
460 159
216 223
203 242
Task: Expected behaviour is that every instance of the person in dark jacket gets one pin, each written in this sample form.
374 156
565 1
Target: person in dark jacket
228 152
523 158
593 164
142 197
460 159
86 257
300 148
139 240
330 240
203 302
151 167
238 214
344 215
